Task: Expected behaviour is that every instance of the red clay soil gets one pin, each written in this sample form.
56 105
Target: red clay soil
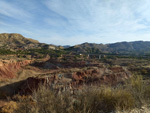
8 70
117 69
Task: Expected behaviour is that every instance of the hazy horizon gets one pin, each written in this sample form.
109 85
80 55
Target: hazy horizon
66 22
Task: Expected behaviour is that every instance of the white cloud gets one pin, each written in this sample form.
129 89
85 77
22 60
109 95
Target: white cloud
77 21
104 15
13 11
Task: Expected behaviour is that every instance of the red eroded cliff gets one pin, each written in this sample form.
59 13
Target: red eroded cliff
8 68
93 76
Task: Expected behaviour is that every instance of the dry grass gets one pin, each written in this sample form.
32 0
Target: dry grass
124 99
9 107
44 101
104 100
92 100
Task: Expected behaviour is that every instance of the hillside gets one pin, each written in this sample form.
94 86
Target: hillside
136 47
16 41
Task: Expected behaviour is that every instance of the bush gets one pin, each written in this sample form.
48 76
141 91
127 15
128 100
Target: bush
146 94
139 90
45 101
90 100
25 104
104 99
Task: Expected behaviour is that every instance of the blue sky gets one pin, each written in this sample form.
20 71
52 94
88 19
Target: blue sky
70 22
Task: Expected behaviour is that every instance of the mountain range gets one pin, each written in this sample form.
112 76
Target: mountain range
136 47
14 41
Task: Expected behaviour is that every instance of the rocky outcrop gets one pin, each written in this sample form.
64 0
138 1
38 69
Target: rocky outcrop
9 68
31 84
91 76
107 76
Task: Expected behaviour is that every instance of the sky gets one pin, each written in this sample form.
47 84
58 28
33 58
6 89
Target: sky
71 22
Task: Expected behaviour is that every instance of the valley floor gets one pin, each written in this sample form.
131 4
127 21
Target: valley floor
81 85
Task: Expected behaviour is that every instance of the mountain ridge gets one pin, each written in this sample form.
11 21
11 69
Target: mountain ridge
17 41
134 47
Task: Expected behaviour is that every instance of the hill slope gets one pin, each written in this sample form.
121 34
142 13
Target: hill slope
16 41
